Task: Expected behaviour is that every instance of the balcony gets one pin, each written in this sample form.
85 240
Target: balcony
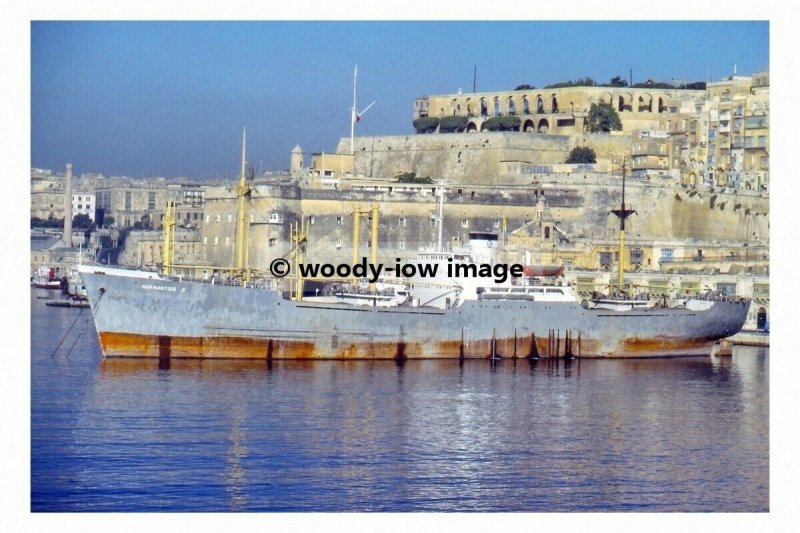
759 122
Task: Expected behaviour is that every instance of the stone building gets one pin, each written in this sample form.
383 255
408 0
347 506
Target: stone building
651 154
560 111
144 248
47 194
723 140
717 136
83 204
189 201
135 201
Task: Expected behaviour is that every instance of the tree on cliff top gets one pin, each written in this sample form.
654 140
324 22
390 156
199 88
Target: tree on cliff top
581 155
616 81
603 118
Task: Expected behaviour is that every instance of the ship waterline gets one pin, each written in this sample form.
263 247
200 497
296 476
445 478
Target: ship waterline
233 347
174 319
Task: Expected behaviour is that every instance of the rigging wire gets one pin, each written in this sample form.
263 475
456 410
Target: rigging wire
69 330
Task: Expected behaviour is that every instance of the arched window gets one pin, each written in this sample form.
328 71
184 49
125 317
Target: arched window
497 107
547 232
544 126
526 106
484 110
539 104
555 104
512 107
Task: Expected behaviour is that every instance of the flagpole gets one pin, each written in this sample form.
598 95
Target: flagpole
353 114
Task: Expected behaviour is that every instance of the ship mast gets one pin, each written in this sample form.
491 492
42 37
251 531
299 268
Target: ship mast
440 215
168 249
622 213
243 190
299 242
373 213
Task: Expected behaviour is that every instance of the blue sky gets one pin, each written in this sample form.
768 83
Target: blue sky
171 98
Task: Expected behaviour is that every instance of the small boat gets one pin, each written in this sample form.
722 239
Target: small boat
83 304
45 278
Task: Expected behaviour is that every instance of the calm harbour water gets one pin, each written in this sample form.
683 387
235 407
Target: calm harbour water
632 435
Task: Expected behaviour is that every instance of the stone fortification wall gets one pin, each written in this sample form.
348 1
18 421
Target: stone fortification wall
470 158
143 249
580 204
665 211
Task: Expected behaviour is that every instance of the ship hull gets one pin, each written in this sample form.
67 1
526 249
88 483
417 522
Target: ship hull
162 318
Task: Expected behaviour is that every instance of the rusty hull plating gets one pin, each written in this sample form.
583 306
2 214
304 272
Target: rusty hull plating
170 319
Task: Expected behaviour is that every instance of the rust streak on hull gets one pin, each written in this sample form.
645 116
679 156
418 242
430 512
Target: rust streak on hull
161 347
132 345
634 347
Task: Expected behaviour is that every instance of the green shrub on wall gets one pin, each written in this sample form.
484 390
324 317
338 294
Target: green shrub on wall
502 124
581 155
426 124
452 124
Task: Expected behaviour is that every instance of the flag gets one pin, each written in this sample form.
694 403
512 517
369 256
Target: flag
358 117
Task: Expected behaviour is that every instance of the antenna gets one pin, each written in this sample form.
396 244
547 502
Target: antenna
355 116
622 214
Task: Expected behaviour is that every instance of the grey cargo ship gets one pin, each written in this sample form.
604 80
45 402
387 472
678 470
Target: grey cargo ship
141 317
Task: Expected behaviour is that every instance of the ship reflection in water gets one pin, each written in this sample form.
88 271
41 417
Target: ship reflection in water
511 435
